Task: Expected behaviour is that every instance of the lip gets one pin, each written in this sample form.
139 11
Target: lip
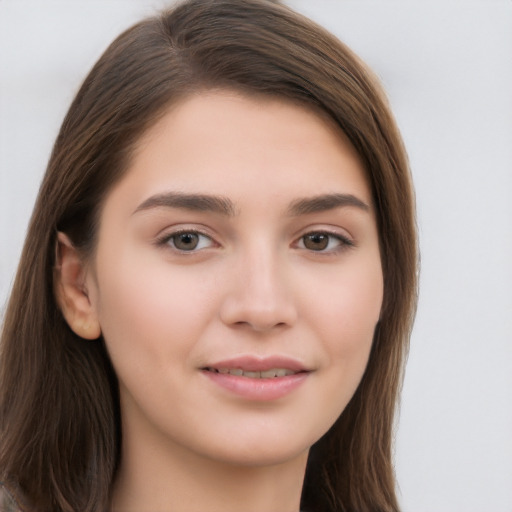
259 364
253 388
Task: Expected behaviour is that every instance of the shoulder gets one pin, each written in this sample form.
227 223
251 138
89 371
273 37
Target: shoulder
7 501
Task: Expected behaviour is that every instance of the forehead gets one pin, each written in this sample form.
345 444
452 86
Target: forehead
226 143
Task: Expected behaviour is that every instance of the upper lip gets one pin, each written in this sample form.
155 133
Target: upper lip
259 364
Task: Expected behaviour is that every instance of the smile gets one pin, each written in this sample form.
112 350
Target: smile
257 379
267 374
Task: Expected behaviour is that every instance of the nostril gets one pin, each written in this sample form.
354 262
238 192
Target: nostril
258 325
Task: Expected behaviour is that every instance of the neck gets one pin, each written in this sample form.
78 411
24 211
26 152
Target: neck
152 479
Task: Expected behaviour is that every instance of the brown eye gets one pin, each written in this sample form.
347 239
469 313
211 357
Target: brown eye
185 241
316 241
324 242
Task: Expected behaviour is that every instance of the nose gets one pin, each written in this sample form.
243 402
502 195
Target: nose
260 297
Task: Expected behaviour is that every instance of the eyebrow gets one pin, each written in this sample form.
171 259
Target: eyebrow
325 202
224 206
193 202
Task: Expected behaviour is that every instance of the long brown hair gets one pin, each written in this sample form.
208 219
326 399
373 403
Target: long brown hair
59 408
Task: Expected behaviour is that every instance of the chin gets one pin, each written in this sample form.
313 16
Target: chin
259 458
260 450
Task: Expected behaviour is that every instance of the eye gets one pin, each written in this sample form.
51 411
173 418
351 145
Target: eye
321 241
187 241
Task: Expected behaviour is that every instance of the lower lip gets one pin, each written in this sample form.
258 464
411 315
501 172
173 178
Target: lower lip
258 389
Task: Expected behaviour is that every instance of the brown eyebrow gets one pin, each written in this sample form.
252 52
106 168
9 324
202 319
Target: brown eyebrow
325 202
224 206
194 202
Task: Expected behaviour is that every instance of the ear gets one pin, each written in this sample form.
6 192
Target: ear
69 283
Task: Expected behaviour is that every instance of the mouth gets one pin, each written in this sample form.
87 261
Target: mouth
258 379
272 373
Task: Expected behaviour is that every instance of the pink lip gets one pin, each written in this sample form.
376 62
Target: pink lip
257 364
258 389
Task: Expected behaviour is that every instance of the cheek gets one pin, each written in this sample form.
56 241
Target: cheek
148 312
348 307
346 316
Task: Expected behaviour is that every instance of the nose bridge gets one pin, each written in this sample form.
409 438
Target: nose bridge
260 295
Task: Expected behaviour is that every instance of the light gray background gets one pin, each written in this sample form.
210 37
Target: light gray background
447 68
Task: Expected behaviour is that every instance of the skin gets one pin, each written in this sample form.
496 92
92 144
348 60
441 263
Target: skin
254 285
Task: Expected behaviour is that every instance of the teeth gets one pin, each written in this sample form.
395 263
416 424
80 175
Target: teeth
267 374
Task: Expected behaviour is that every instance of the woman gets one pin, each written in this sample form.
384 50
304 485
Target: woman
213 304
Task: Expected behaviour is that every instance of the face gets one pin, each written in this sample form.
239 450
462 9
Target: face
237 279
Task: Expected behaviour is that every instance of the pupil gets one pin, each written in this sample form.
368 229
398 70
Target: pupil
186 241
316 241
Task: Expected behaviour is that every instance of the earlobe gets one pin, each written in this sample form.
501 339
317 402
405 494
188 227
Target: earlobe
69 281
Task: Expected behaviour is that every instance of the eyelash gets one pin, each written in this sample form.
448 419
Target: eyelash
169 237
343 241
